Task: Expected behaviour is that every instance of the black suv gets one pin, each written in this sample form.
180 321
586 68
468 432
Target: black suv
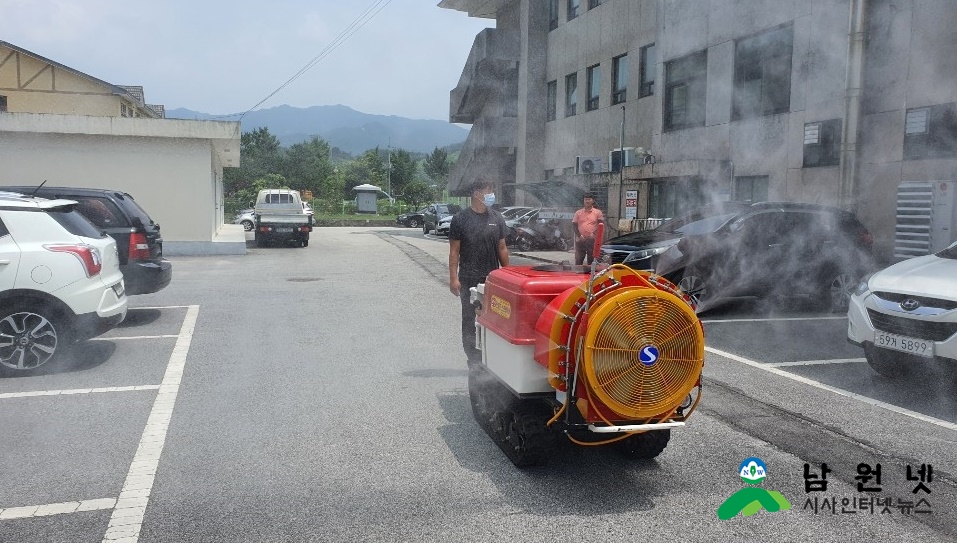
138 240
777 249
640 250
434 212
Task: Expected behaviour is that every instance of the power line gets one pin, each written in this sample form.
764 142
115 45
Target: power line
367 15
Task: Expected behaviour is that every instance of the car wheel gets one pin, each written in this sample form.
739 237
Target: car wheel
247 225
413 223
694 283
524 244
885 363
30 336
838 287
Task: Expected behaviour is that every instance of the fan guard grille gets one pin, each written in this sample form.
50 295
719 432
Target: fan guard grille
625 333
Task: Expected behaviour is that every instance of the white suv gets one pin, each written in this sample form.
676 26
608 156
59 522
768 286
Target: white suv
905 316
60 280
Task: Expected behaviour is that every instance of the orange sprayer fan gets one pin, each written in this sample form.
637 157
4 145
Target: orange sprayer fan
642 353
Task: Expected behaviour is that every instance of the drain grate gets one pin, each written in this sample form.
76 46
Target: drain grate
303 279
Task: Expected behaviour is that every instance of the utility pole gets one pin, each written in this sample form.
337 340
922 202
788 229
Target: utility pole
621 163
388 186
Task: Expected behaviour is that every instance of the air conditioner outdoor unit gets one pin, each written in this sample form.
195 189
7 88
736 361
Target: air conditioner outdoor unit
926 219
588 164
615 156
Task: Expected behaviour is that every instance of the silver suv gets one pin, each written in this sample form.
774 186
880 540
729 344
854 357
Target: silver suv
60 281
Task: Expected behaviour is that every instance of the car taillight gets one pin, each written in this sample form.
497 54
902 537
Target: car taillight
88 255
139 248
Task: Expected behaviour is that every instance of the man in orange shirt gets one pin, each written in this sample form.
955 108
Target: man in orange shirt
586 223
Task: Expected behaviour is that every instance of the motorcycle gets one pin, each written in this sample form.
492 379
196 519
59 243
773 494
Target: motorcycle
541 235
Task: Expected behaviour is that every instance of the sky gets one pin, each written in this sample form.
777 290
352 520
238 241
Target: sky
223 57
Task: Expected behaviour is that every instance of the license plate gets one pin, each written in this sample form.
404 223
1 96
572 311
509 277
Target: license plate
284 230
904 344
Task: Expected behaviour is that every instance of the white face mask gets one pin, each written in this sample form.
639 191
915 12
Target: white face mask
490 199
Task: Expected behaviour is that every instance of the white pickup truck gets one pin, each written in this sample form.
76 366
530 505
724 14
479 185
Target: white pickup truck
281 216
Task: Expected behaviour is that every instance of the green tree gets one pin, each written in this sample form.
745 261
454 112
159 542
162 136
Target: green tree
368 168
404 170
418 192
260 155
437 167
307 165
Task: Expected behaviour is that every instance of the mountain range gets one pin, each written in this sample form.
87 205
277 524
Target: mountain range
343 127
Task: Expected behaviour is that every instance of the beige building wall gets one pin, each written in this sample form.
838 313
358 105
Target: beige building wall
32 85
173 168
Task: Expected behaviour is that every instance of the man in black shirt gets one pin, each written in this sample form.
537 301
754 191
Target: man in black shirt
476 247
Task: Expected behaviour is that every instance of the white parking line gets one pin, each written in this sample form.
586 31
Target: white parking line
112 338
816 362
56 508
835 390
779 319
131 505
74 391
162 307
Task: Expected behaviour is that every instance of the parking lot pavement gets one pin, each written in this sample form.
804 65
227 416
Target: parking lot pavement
60 485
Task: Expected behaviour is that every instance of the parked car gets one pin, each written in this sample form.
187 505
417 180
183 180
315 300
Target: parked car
411 220
781 250
906 314
247 218
137 236
640 250
281 216
60 280
445 224
434 212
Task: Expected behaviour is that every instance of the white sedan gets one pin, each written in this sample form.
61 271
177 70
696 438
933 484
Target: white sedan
245 217
906 314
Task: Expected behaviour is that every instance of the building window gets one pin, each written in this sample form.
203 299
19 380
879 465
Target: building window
619 79
762 74
3 103
931 132
551 100
667 199
594 86
123 110
685 91
751 188
552 14
574 6
646 70
822 143
592 4
571 94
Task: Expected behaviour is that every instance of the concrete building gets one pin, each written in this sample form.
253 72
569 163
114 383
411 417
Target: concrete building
67 128
829 101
